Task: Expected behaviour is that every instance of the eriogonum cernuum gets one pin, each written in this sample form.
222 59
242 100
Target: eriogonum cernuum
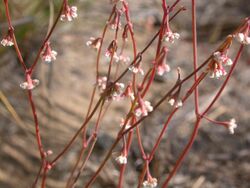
143 107
161 64
231 125
29 83
102 83
177 103
150 182
48 54
8 40
111 51
68 13
129 92
243 35
122 159
222 58
168 35
95 43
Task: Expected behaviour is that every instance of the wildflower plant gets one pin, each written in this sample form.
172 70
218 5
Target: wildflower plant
113 87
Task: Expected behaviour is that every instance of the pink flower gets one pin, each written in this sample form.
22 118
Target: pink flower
68 13
95 43
48 54
222 58
171 37
143 108
129 92
217 71
8 40
29 84
150 183
243 34
162 67
102 83
111 51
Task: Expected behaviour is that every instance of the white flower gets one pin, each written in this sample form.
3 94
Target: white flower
171 101
7 42
170 37
69 13
150 183
29 84
143 109
136 69
94 43
179 104
222 58
121 159
232 125
242 38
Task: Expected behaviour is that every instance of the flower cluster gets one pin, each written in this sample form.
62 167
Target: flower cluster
242 36
150 183
129 92
48 54
102 83
122 159
7 40
216 66
68 13
143 108
95 43
232 125
176 103
162 66
29 84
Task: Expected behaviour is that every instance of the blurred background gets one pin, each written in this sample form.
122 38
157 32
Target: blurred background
216 160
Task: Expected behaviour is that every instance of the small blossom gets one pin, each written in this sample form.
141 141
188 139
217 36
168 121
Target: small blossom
143 108
162 67
176 103
48 54
69 13
222 58
217 71
121 159
150 183
232 125
243 33
242 38
7 40
124 59
29 84
111 51
95 43
129 92
136 69
102 83
171 37
117 91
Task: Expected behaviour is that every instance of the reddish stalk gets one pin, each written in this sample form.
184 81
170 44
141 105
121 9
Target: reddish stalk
194 32
195 131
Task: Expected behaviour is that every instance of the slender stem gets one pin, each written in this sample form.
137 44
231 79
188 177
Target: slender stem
194 32
38 136
11 30
183 154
